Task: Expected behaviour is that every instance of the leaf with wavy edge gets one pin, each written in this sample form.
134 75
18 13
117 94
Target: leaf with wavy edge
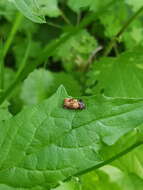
45 144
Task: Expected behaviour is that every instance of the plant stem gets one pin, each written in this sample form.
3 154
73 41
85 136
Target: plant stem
79 15
121 31
6 47
54 25
12 33
91 58
1 74
116 49
65 18
129 149
1 68
19 75
24 62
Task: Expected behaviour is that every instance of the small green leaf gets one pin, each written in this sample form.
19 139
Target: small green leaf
7 9
136 4
49 8
75 52
36 10
124 181
100 179
113 22
28 8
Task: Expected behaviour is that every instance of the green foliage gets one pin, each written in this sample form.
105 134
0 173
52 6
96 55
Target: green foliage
38 133
5 115
75 52
113 22
117 76
19 50
41 84
91 4
135 4
36 10
30 10
94 49
7 10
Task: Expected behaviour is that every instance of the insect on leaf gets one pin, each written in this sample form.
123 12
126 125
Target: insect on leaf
48 144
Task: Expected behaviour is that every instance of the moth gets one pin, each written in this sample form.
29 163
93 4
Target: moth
75 104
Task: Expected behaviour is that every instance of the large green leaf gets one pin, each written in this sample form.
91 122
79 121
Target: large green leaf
46 144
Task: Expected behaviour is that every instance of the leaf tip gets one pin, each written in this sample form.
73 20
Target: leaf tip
61 89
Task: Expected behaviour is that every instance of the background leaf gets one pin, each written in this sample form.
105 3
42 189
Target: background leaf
91 4
75 52
7 10
30 10
41 84
36 10
118 77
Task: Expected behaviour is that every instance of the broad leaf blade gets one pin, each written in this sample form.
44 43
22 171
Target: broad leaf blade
46 144
118 77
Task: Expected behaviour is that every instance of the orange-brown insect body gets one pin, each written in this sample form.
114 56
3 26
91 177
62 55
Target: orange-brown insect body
71 103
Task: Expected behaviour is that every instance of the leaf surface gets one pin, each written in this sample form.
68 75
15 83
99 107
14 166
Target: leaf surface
36 10
119 77
45 143
91 4
41 84
4 113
